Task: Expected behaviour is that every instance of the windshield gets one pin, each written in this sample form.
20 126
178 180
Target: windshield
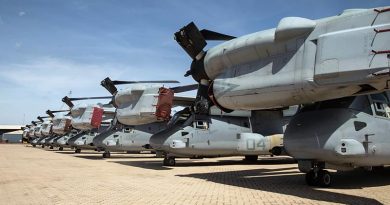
180 117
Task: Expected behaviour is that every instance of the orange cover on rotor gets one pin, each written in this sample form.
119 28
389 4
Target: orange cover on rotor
164 103
97 117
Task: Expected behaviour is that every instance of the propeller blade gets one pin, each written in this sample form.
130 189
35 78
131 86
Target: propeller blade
34 123
90 98
215 36
109 85
41 118
121 82
184 88
50 112
67 101
191 40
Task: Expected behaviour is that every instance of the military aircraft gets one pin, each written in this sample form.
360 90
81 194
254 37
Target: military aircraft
214 135
301 61
141 110
61 126
26 134
90 120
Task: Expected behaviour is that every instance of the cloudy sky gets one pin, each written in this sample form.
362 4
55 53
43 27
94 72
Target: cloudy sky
51 47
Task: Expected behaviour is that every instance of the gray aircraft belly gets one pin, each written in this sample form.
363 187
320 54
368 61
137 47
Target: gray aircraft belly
339 142
133 139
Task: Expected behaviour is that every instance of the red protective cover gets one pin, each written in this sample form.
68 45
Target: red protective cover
164 103
97 117
67 127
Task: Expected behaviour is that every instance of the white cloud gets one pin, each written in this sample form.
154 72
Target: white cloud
50 74
18 44
22 13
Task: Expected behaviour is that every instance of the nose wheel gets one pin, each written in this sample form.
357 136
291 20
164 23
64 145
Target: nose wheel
169 161
320 178
77 151
106 154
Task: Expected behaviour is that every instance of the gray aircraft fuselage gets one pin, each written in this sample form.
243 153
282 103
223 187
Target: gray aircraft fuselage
212 136
84 140
127 138
344 133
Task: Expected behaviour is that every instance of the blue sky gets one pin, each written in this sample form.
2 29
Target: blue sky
50 47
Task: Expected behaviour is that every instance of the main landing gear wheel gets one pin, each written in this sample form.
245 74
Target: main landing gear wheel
61 149
51 147
106 154
169 161
251 158
322 178
43 146
77 151
34 145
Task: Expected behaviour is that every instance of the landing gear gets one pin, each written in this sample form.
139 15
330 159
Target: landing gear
43 146
276 151
61 149
106 154
169 161
321 178
34 145
251 158
77 151
51 147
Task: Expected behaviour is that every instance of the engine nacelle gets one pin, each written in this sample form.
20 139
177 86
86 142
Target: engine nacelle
37 131
61 125
302 61
46 128
91 116
143 105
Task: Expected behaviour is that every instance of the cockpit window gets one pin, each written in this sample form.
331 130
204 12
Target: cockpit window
179 118
380 105
361 103
202 125
127 130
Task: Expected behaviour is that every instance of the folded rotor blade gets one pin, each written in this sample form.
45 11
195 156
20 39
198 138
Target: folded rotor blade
121 82
212 35
184 88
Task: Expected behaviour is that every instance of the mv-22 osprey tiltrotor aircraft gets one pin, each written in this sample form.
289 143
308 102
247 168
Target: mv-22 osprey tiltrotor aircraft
141 110
302 61
62 128
90 120
218 134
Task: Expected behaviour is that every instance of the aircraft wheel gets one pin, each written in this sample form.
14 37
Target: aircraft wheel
311 178
43 146
51 147
169 161
251 158
106 154
34 145
61 149
276 151
324 178
77 151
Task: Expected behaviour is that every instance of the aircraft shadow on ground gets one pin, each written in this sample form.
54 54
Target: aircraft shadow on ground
157 165
199 163
154 165
288 182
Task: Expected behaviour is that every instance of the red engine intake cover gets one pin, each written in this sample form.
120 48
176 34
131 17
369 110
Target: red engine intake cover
97 117
164 103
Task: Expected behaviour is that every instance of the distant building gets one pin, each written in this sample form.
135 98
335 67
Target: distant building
11 133
13 137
